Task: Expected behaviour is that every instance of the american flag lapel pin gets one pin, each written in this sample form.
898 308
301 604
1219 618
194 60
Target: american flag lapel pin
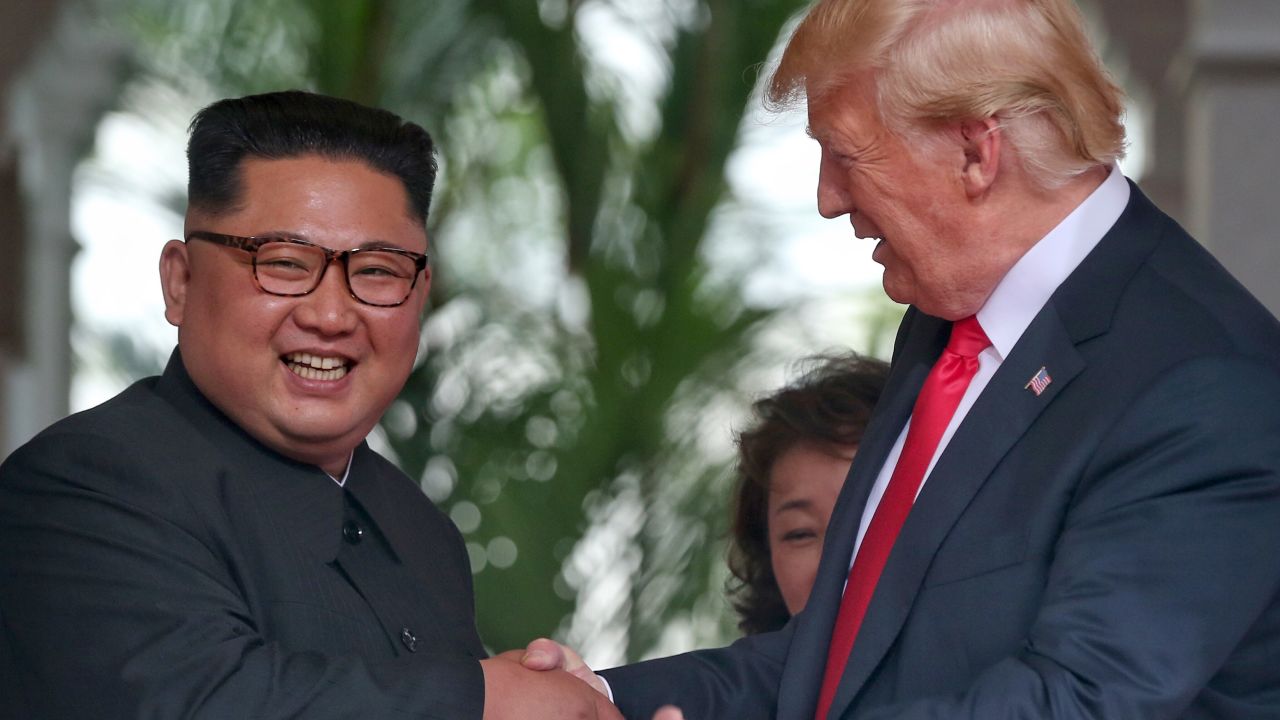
1038 382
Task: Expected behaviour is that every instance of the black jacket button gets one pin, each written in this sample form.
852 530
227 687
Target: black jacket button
353 532
409 639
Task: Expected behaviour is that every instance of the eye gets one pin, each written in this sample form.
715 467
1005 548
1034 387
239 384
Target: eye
380 265
799 535
376 271
842 159
283 258
282 263
285 267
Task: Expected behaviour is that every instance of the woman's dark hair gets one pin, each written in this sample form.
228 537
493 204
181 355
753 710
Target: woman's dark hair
291 123
829 405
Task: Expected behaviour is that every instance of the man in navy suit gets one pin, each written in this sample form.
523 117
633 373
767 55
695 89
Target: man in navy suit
1087 526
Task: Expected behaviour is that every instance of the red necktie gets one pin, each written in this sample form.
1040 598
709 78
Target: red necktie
934 407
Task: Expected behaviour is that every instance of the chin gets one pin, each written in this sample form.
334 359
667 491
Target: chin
321 430
898 294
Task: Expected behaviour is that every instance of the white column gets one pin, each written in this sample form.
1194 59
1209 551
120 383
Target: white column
54 108
1233 139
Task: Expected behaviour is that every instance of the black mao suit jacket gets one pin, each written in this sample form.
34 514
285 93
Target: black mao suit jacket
1107 549
158 562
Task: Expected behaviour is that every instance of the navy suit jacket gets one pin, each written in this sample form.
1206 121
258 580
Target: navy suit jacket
1107 549
156 561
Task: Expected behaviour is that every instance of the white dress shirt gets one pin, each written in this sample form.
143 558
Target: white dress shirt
1016 300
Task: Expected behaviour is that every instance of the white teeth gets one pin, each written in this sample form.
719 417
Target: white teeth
315 367
311 373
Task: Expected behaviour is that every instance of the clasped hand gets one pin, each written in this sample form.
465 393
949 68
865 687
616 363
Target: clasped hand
515 692
546 655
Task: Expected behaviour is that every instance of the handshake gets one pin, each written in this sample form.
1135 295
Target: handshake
548 680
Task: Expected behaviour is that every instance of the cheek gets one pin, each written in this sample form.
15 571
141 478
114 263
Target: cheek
394 340
795 569
231 299
403 331
783 570
254 319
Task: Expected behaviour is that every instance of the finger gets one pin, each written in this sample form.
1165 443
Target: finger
668 712
606 710
544 654
586 675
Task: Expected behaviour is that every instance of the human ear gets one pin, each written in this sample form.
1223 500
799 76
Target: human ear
175 277
982 141
422 293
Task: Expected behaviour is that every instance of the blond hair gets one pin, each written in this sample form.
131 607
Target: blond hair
1027 63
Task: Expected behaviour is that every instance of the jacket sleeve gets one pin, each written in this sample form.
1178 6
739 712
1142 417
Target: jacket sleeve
739 681
115 604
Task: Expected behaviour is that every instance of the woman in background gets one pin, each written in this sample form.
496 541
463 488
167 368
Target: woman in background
792 462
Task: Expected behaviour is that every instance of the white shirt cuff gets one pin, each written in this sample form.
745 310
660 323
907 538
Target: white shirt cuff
608 689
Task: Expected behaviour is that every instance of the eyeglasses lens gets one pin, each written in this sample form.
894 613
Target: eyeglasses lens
377 277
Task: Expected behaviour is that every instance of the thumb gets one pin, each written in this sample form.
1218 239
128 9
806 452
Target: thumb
544 654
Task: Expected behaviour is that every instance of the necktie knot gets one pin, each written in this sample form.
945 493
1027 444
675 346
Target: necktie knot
967 338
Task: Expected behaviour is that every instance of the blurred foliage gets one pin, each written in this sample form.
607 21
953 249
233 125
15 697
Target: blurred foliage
584 360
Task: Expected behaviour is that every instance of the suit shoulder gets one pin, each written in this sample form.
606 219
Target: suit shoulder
1188 292
123 442
1184 262
132 414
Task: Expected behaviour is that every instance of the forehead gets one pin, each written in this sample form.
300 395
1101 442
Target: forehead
311 182
333 202
847 109
808 469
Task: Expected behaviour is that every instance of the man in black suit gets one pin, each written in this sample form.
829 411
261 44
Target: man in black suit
1071 511
220 541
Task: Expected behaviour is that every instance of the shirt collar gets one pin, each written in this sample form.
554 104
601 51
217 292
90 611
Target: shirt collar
342 481
1025 289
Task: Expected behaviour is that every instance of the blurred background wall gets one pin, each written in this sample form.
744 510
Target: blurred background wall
626 247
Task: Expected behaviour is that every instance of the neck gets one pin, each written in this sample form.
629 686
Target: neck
337 468
1042 210
1013 219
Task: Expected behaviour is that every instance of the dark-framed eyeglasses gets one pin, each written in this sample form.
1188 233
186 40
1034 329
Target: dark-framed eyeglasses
378 276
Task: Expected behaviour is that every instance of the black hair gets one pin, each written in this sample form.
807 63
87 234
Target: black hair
292 123
829 405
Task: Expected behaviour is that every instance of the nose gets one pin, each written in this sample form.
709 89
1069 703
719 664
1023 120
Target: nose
329 309
833 196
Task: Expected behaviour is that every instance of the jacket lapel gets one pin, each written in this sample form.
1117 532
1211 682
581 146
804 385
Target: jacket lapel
1002 414
798 695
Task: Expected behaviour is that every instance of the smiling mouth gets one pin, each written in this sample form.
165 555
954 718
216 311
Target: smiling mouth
316 367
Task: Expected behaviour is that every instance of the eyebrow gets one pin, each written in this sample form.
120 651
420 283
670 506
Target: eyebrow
366 245
797 504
